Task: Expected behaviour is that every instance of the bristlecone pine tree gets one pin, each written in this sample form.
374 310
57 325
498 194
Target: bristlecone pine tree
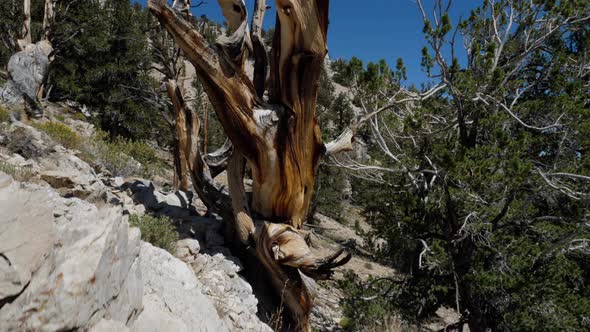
278 137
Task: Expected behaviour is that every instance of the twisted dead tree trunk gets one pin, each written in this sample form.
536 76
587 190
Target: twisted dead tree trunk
181 134
279 138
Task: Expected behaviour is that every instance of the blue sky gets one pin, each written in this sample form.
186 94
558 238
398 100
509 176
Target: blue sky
369 29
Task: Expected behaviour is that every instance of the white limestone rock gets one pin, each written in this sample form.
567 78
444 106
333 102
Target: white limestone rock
173 300
81 261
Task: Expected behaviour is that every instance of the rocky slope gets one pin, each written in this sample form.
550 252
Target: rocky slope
70 261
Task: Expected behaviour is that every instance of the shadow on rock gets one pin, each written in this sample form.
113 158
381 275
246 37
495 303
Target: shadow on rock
175 205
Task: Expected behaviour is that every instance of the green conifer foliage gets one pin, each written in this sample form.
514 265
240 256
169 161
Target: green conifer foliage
487 208
102 60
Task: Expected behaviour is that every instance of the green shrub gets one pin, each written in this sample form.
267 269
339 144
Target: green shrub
140 151
363 304
345 323
60 133
79 116
122 157
17 173
101 150
4 115
158 231
116 161
330 192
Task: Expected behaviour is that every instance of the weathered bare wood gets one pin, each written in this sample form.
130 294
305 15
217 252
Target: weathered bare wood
229 89
299 48
26 31
218 159
285 253
345 140
259 49
182 6
244 225
48 18
281 142
237 46
234 12
341 143
212 195
181 135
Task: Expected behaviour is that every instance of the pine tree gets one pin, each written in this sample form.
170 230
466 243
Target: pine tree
485 207
103 61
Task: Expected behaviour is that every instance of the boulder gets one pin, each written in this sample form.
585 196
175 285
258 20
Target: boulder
27 141
70 175
22 253
173 300
27 70
74 263
107 325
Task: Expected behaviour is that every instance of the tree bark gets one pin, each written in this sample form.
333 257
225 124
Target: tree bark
279 139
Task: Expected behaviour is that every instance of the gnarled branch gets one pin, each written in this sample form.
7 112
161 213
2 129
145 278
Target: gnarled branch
229 89
345 140
237 46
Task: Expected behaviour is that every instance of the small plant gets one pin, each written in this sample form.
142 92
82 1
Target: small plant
79 116
158 231
276 318
122 157
60 133
112 158
364 305
18 173
140 151
345 323
4 115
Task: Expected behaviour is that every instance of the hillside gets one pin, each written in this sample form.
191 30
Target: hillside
160 171
80 193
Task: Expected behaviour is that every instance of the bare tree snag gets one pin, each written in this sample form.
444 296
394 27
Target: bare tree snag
213 196
48 18
298 52
182 5
236 47
235 13
181 135
229 89
280 140
344 142
26 38
260 55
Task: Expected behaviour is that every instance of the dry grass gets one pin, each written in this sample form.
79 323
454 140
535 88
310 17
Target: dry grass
18 173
